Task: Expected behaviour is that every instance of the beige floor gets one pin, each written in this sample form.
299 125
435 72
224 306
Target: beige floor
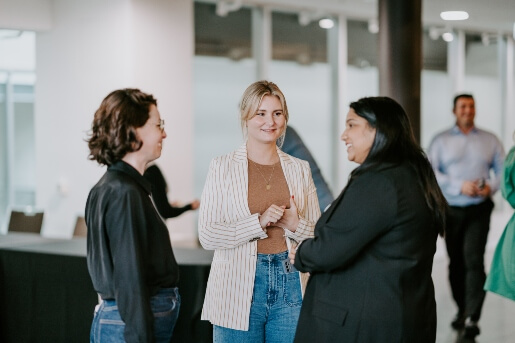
498 318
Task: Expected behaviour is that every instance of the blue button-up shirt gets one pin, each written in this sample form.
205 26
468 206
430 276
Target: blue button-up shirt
457 157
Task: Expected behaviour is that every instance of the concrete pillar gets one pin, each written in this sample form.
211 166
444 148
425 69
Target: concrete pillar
400 55
456 62
262 41
338 56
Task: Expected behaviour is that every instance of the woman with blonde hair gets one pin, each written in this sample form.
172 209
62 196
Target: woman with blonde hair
257 203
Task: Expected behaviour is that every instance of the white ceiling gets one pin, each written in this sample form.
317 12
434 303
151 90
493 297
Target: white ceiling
492 16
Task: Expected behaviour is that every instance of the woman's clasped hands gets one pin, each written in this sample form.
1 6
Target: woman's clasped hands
275 215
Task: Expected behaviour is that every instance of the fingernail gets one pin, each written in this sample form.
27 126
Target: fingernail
293 196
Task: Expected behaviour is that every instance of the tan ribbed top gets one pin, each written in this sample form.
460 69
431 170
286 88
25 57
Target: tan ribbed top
260 199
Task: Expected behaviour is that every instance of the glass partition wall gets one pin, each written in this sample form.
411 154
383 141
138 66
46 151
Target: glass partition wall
4 192
17 147
224 67
222 70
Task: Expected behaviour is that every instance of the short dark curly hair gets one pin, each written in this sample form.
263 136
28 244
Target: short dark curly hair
113 133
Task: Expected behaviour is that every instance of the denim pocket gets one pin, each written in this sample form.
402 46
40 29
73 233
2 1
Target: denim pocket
162 306
110 314
110 325
165 308
292 291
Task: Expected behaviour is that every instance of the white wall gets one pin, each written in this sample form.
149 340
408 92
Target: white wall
93 48
18 53
163 51
32 15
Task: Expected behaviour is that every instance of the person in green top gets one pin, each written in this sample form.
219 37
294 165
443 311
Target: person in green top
501 279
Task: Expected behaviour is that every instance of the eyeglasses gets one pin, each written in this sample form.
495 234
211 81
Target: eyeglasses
161 125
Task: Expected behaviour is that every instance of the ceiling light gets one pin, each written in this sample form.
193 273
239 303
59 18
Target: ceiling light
434 33
485 39
326 23
305 18
373 26
445 32
224 7
454 15
448 36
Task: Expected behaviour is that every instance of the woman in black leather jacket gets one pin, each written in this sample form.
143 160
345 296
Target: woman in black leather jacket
130 258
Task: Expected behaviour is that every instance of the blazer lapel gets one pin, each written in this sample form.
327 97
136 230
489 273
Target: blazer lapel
286 165
240 171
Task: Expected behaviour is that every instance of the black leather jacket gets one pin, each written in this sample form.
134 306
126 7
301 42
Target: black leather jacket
130 256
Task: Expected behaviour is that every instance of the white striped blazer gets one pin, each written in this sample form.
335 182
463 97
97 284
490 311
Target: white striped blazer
227 226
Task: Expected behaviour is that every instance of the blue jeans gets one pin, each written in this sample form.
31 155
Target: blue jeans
275 307
108 326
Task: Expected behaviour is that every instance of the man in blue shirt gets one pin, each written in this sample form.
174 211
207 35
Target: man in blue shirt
463 159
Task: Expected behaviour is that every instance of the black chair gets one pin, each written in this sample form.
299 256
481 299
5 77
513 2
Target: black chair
21 221
81 229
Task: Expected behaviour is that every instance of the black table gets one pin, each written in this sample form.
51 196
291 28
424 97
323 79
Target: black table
46 293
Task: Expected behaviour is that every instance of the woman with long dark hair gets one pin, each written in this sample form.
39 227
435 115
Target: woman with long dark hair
372 254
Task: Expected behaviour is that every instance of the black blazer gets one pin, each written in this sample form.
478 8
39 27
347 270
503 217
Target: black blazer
370 264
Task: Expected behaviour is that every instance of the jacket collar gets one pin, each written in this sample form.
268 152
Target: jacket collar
456 130
126 168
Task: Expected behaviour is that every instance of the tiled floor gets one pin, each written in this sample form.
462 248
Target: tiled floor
498 318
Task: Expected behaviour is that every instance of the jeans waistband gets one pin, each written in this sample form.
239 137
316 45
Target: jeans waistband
161 292
167 291
273 257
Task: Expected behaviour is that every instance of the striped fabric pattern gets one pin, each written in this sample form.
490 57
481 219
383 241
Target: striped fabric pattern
227 226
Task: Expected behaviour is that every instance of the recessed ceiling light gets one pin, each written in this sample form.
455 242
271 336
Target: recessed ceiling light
448 37
454 15
326 23
373 26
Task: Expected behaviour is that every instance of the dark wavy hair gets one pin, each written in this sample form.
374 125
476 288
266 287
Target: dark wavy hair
395 143
113 131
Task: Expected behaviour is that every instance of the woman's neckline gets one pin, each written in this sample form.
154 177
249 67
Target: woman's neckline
264 165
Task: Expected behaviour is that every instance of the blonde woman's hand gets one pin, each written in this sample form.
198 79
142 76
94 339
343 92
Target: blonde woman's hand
290 219
271 215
